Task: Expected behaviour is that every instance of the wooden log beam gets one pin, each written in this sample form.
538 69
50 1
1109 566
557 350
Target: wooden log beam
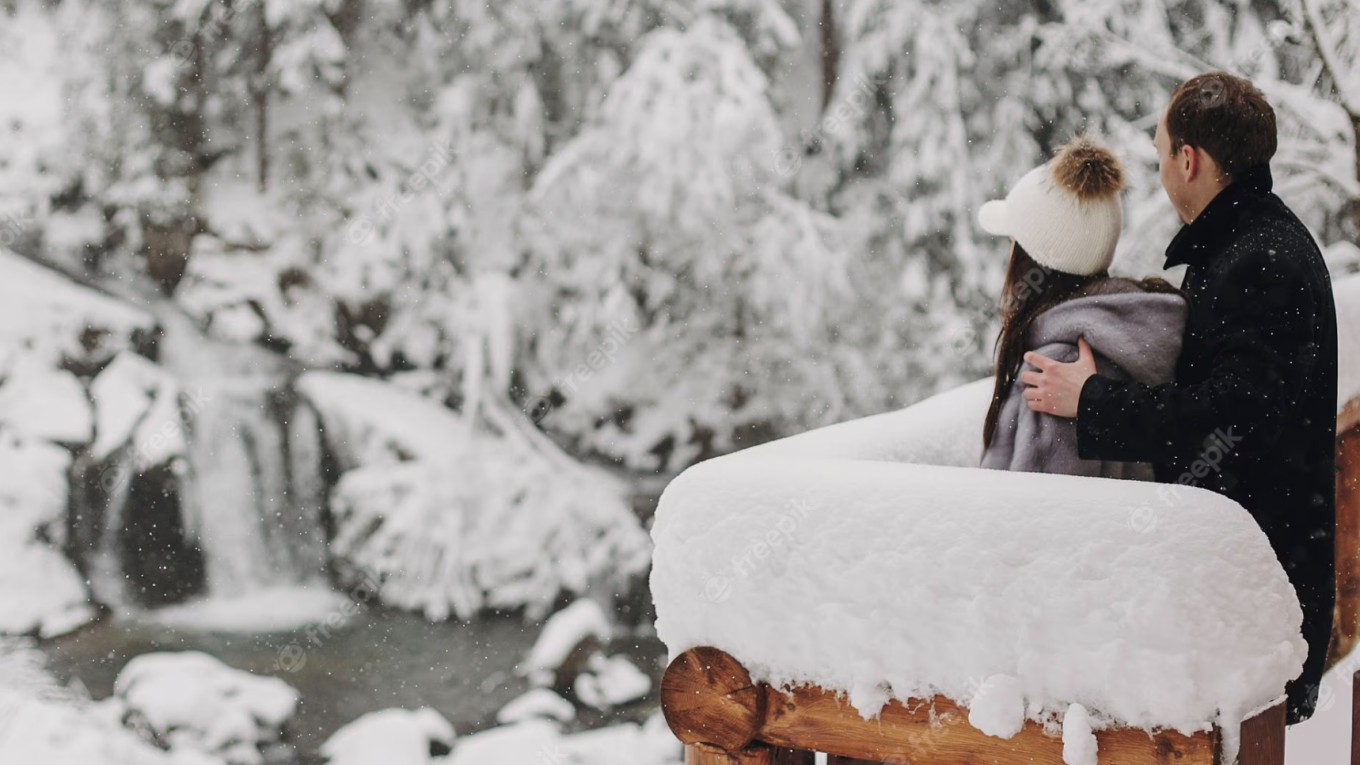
939 733
708 698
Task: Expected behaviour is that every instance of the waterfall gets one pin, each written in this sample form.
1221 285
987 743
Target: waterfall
253 493
242 509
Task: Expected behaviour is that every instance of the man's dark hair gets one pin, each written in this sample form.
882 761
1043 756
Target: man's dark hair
1227 117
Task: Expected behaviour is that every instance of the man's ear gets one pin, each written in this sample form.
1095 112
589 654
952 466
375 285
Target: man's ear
1190 163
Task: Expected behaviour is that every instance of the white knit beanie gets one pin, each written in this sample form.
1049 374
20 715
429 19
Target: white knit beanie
1066 214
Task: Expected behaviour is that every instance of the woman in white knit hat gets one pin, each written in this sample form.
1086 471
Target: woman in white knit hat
1064 219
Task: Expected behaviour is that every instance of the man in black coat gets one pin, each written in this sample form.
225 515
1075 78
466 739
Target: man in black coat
1252 411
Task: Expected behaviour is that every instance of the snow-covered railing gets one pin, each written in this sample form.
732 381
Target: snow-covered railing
805 587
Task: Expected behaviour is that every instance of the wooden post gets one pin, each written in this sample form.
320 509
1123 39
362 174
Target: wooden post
1263 738
1346 624
704 754
785 756
1355 718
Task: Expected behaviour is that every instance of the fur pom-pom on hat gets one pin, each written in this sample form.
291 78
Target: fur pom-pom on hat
1088 170
1065 213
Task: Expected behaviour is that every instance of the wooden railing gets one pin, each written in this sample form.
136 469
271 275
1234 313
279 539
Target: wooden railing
723 718
1346 626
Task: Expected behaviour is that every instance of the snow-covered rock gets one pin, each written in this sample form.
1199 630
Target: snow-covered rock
581 625
900 581
44 403
536 703
137 403
193 701
452 518
611 681
538 742
390 737
52 317
650 743
41 592
48 326
41 722
532 742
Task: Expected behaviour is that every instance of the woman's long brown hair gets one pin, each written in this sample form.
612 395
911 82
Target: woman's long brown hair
1030 290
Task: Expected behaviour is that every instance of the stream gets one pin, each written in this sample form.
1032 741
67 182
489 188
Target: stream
380 658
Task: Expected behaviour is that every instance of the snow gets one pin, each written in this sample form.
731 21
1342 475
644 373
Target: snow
194 701
538 742
899 581
451 517
272 609
611 681
137 403
998 707
49 316
562 633
1346 292
1079 741
945 429
39 402
536 702
532 742
651 743
372 422
41 722
40 590
1326 736
53 733
389 737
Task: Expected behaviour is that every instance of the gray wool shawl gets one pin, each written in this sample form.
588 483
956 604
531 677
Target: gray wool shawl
1135 335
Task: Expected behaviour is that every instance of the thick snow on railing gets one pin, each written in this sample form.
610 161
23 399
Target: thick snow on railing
818 560
943 430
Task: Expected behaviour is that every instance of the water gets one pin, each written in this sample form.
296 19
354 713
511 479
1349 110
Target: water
381 658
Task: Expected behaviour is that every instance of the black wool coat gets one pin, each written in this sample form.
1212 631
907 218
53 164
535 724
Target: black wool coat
1251 413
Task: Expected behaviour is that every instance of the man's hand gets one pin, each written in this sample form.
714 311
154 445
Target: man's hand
1056 387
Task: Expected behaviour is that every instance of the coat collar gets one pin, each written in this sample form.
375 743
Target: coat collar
1205 234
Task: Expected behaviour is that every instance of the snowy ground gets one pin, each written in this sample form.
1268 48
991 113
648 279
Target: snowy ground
1326 737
